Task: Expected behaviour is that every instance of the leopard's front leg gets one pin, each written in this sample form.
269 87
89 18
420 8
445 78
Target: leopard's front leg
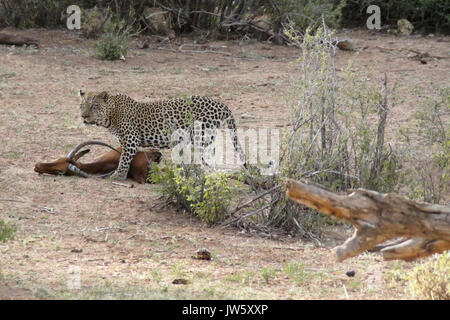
129 149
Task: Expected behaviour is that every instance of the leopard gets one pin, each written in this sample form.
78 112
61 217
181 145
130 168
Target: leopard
150 124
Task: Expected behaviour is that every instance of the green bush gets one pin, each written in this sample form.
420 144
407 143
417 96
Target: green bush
205 195
7 231
113 44
431 280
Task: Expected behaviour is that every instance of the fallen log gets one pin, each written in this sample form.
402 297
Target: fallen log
377 218
16 40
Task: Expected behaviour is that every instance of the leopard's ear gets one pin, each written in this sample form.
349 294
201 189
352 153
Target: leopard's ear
103 95
82 93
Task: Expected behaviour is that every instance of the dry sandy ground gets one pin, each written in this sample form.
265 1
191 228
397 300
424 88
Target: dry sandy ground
114 238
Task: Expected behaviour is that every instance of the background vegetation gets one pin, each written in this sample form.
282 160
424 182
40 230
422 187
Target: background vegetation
114 21
262 19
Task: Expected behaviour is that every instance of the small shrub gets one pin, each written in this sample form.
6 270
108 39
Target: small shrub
180 270
267 274
354 285
429 177
431 279
205 195
296 271
156 276
7 231
113 44
333 140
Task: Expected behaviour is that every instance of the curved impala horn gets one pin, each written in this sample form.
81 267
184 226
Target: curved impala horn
80 172
88 143
83 174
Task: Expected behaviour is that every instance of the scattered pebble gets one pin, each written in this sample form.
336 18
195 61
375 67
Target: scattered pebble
180 281
247 115
350 273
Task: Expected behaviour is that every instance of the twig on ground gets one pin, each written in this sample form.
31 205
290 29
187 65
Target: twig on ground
123 184
13 200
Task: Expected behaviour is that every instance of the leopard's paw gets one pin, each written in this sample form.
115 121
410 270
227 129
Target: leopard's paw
118 177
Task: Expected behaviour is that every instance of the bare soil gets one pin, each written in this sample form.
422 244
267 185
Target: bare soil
114 240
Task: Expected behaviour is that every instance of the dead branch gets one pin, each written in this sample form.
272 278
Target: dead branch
249 214
16 40
254 199
126 185
416 52
380 217
13 200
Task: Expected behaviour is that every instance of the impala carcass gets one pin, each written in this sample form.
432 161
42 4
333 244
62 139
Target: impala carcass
102 166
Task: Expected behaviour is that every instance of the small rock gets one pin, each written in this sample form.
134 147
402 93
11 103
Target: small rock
350 273
47 210
180 281
247 115
144 44
202 254
404 27
76 250
171 35
346 44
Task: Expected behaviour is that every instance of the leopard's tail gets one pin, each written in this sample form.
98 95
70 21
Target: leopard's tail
230 124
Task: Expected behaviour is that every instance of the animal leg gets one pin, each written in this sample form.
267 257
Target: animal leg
128 153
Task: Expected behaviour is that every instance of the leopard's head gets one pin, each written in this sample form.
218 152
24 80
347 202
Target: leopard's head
94 108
